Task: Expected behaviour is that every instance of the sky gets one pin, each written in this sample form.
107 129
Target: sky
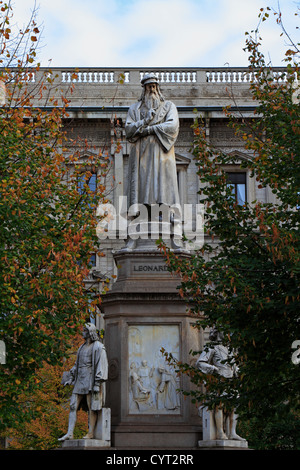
156 33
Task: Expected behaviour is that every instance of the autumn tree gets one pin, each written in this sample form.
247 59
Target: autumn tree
52 404
47 222
246 283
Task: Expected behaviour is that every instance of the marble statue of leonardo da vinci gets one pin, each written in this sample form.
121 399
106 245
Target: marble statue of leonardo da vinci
152 127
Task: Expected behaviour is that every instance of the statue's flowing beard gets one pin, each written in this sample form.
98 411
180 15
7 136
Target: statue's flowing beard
152 99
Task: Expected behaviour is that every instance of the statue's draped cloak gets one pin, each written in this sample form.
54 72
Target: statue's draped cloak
152 165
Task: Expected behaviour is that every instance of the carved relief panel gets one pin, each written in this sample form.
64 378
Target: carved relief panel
152 382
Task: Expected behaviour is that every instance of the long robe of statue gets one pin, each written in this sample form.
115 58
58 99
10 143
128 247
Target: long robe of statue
152 165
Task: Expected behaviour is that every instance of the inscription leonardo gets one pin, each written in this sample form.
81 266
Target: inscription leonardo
149 268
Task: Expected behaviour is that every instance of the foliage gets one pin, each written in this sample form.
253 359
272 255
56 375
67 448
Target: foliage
47 225
274 433
51 403
245 279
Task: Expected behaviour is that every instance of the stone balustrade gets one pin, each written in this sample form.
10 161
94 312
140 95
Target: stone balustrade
182 76
100 90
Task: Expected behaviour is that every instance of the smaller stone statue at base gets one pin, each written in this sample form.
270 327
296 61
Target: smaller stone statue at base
89 376
219 425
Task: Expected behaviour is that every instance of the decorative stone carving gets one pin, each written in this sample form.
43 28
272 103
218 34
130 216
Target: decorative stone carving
153 384
168 397
113 369
88 376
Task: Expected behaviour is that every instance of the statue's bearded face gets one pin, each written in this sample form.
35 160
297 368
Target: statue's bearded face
151 89
85 333
152 98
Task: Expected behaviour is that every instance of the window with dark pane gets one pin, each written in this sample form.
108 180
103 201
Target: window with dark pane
90 181
93 260
237 182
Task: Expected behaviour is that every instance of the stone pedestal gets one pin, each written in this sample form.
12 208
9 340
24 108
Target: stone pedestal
223 444
103 426
209 436
102 434
143 314
85 444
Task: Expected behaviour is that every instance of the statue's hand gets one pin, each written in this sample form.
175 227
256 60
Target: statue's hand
149 116
143 131
68 382
96 388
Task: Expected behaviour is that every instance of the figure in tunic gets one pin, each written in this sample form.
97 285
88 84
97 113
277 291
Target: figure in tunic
88 376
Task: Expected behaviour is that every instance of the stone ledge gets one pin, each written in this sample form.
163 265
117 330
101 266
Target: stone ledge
77 444
224 444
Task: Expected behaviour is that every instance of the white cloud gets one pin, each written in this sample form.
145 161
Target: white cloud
159 33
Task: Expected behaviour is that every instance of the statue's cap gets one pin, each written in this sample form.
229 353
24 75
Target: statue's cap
149 78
